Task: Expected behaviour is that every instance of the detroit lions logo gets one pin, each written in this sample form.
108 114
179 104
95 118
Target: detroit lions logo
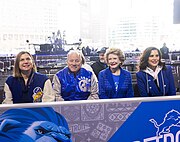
171 119
84 84
37 94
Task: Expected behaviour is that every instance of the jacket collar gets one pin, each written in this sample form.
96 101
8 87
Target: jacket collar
155 73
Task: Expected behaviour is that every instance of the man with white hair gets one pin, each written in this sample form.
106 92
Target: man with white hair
74 82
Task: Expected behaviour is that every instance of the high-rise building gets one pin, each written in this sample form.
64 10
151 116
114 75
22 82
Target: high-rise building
93 22
24 22
130 23
139 24
132 31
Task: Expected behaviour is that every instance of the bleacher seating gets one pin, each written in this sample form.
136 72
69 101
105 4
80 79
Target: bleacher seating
50 64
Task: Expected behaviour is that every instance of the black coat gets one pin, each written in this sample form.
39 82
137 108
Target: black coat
98 66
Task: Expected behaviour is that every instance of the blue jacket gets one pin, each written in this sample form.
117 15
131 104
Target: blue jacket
22 93
147 86
107 87
75 87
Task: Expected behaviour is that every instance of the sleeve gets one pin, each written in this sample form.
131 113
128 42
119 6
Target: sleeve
93 66
101 84
172 88
48 95
141 85
94 76
57 88
94 89
130 92
8 95
89 68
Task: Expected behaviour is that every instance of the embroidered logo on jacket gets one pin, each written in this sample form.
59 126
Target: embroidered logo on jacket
84 84
37 94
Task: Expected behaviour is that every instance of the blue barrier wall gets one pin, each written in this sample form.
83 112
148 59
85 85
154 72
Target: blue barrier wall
117 120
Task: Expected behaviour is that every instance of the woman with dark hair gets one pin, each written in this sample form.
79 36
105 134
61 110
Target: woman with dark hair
154 78
115 82
26 85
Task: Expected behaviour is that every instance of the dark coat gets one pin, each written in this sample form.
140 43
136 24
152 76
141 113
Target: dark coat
98 66
147 86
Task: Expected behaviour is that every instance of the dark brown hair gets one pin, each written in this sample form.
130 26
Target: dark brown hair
145 56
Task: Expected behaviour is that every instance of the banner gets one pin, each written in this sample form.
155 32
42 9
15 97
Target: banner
154 119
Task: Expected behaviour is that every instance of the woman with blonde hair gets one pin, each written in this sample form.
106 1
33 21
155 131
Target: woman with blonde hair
114 81
26 85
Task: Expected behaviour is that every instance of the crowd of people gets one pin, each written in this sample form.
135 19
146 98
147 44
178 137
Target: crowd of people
104 79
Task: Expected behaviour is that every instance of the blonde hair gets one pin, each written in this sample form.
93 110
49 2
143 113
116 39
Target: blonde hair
117 52
16 69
